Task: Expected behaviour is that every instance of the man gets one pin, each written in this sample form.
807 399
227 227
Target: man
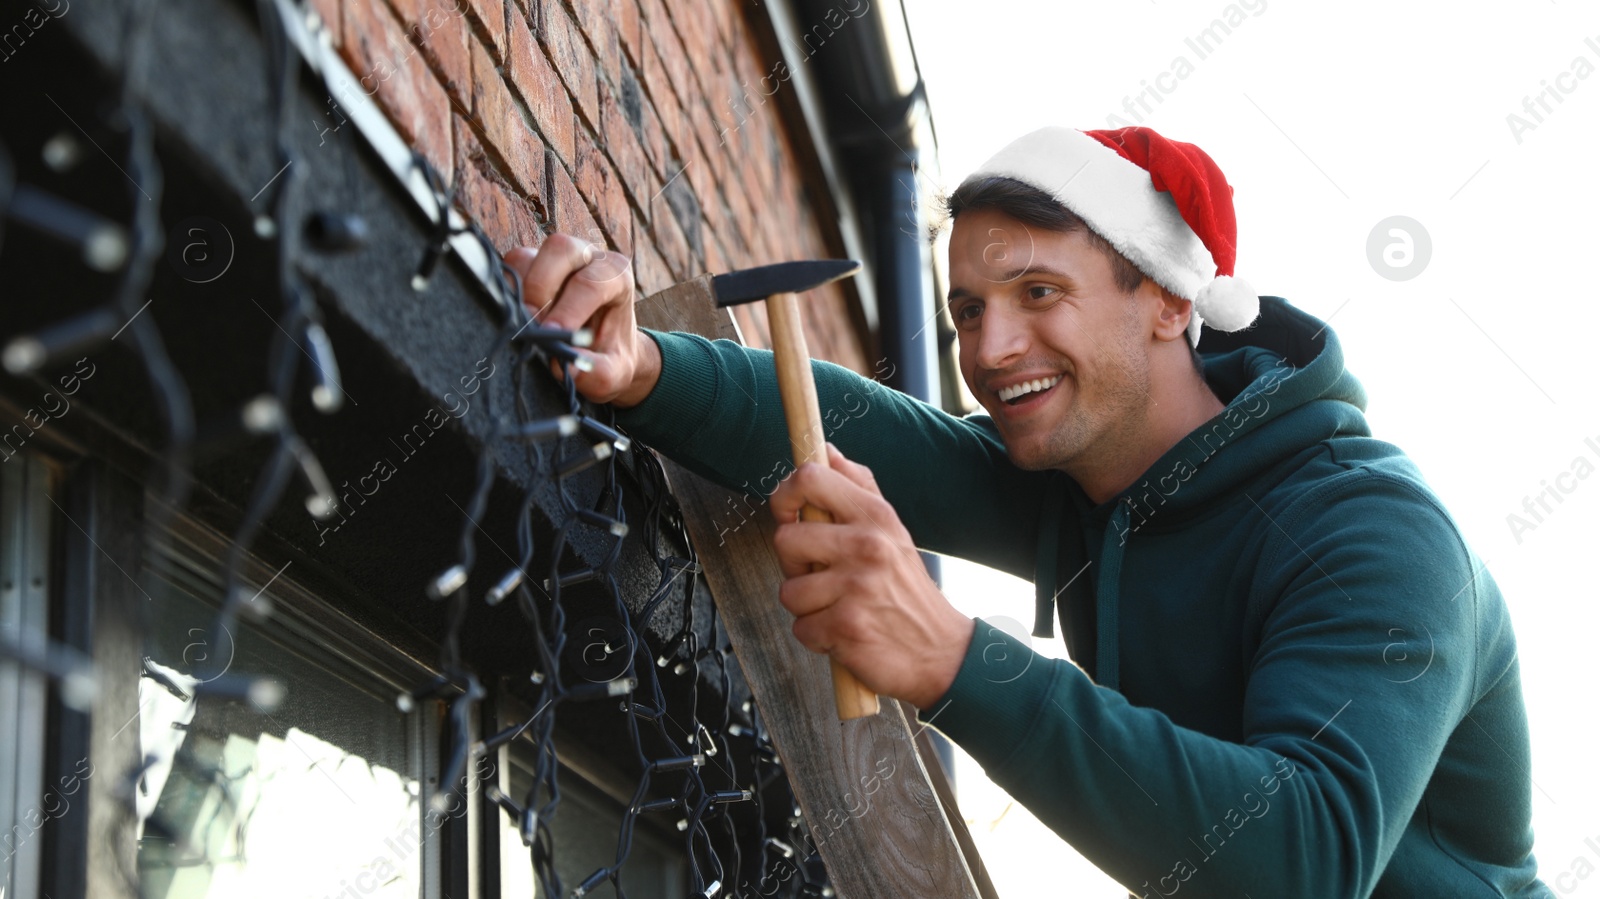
1304 683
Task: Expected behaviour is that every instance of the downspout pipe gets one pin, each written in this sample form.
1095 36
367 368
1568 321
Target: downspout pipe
879 120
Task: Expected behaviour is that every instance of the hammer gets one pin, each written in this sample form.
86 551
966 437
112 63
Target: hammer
777 285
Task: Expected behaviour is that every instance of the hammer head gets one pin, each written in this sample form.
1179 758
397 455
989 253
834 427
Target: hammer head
763 281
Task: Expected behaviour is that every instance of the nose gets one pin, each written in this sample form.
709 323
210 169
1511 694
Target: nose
1002 336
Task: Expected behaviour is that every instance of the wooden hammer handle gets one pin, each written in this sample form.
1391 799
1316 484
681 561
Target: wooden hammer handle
798 388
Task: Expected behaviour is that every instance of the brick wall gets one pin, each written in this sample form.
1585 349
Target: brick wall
637 123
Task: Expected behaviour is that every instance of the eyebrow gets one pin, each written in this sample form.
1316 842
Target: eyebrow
961 293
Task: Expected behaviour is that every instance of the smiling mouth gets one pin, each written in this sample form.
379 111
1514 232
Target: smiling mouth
1017 393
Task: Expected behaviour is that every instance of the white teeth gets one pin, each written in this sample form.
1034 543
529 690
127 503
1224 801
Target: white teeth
1007 394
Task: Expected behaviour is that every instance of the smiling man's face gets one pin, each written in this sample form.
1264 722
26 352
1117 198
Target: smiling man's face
1051 346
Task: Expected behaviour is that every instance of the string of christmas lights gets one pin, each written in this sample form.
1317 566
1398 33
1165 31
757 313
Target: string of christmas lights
711 773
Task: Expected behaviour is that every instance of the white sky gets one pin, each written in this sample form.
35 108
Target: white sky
1326 120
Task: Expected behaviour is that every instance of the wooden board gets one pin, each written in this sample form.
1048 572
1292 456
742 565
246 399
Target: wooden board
875 817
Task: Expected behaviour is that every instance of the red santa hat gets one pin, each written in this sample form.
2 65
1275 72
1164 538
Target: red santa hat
1163 204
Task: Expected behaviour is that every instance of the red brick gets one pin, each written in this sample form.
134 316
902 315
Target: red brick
440 28
602 187
571 58
596 20
669 50
670 241
738 160
570 214
719 221
683 22
743 206
752 321
629 29
541 89
703 174
626 151
530 233
716 261
490 18
763 247
737 225
709 75
710 134
723 159
497 118
834 333
608 52
652 138
729 24
674 126
487 199
730 152
333 18
388 66
698 34
650 271
731 108
748 177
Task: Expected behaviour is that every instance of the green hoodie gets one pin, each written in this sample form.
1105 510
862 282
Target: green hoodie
1305 684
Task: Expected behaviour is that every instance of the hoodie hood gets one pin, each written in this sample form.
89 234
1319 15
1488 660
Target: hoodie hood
1285 388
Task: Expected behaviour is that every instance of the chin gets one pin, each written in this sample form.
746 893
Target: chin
1054 450
1030 457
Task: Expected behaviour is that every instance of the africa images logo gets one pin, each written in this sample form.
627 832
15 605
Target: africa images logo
200 249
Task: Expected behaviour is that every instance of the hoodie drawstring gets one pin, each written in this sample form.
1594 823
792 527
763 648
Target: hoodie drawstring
1045 568
1106 598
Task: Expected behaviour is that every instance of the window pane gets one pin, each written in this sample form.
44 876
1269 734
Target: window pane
26 806
318 798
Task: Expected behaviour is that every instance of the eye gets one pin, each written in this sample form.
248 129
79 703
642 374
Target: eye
966 314
1042 293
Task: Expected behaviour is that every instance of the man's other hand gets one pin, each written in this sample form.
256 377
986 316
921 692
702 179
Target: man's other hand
871 604
571 283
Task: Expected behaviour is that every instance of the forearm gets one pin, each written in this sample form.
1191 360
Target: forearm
1156 805
716 410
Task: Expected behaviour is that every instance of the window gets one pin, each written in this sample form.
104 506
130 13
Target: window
27 804
321 796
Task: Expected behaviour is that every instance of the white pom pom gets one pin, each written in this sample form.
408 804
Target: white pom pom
1228 304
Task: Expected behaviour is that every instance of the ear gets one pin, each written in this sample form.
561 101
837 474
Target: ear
1172 313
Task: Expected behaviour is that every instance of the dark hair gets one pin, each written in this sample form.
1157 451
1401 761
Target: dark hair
1032 206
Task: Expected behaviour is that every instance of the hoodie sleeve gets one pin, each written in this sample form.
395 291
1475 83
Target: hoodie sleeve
1365 663
716 410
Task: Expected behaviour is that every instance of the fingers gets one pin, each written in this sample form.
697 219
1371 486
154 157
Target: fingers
520 259
813 592
610 276
820 631
569 280
607 266
849 494
822 622
545 269
802 545
571 284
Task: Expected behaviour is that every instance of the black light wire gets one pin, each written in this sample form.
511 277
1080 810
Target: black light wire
289 453
533 814
698 800
704 794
